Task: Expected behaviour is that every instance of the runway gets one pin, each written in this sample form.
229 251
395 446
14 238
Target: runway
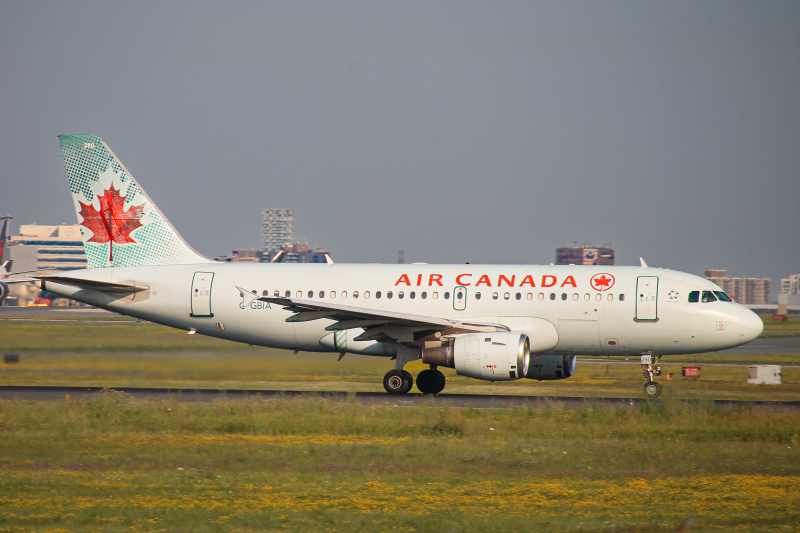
367 398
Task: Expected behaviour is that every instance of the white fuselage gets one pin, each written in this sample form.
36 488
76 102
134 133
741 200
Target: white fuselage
594 310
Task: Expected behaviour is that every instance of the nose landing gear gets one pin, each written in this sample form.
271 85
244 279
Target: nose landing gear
652 389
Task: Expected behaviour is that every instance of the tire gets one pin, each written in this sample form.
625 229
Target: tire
426 382
440 382
652 389
397 382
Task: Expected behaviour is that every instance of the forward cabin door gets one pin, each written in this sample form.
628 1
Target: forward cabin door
201 294
647 298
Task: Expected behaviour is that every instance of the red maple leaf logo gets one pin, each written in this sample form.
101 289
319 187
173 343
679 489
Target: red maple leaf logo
602 282
111 223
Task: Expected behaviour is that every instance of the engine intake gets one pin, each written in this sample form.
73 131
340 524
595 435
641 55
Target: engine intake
549 367
494 356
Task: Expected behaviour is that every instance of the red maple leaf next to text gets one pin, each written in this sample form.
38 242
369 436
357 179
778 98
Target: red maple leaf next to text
602 281
111 223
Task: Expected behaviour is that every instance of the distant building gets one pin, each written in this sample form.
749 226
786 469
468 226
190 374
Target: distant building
585 255
790 290
277 229
242 256
743 290
50 247
299 253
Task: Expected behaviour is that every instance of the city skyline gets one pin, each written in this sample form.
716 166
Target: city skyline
455 132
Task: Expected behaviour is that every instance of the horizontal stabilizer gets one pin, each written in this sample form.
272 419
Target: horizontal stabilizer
120 287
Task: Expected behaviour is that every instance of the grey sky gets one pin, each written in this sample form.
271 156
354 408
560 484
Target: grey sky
456 131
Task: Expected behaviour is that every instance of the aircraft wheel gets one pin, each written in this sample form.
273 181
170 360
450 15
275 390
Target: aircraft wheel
652 389
440 382
397 382
426 381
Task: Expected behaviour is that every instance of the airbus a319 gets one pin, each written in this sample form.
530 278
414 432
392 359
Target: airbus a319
488 322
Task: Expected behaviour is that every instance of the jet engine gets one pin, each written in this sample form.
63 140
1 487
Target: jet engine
548 367
494 356
3 291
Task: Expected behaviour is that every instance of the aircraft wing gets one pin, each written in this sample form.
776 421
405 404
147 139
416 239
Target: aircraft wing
378 324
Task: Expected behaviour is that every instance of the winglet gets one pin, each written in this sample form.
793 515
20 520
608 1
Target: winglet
644 265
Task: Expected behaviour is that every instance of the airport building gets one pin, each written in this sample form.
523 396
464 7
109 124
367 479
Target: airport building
585 255
47 247
277 229
747 291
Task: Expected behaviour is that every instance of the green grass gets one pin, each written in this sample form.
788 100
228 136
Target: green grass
146 355
113 463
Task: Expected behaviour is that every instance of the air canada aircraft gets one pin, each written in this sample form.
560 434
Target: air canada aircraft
488 322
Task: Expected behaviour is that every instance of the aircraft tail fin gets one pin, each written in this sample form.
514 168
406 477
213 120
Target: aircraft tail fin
120 225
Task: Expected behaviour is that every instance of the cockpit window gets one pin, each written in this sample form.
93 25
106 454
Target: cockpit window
722 296
694 297
708 296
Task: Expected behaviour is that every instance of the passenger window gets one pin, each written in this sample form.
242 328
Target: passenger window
265 293
541 296
694 297
412 295
722 296
355 294
477 296
621 297
708 296
288 294
506 296
552 296
389 295
366 294
424 295
299 294
610 297
447 296
400 295
344 294
495 296
598 297
587 297
519 296
575 297
310 294
378 295
322 294
530 296
435 295
276 294
333 294
563 295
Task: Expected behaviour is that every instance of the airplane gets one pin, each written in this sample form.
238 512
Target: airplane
5 266
488 322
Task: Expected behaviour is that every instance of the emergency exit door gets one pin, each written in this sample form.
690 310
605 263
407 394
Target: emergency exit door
201 294
647 298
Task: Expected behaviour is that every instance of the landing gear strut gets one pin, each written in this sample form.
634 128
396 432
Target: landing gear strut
398 381
652 389
430 381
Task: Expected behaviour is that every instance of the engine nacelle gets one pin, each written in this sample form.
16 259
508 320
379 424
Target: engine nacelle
495 356
3 291
548 367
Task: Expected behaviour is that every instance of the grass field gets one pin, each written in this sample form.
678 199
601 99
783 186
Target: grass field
114 463
117 464
132 354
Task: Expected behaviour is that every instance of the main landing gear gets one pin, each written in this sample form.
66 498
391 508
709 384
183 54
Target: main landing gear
652 389
429 381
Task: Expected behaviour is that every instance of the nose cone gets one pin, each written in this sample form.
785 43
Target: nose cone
750 326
